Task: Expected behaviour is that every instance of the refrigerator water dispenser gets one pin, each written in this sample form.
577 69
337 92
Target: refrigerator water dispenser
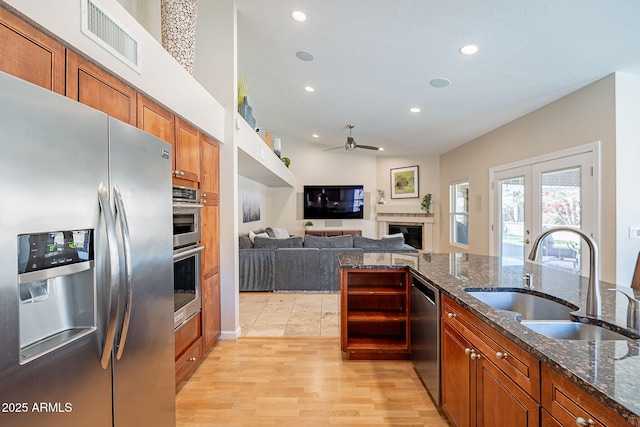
56 290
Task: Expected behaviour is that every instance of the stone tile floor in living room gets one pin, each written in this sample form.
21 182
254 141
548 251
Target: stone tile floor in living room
268 314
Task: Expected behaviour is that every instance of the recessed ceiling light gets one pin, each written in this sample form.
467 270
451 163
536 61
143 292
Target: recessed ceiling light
298 16
469 49
414 109
309 89
315 135
439 82
304 55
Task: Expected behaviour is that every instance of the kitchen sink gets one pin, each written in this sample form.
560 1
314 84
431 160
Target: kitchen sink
530 306
568 330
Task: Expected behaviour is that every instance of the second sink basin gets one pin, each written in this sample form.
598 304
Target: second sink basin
530 306
567 330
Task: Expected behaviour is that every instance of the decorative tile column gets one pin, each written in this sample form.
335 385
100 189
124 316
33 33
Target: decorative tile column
178 19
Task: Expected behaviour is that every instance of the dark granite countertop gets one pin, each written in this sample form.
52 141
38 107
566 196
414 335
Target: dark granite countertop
609 370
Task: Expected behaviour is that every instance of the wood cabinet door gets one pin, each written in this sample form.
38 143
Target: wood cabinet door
210 221
155 119
458 375
29 54
500 402
92 86
210 175
567 402
187 151
211 323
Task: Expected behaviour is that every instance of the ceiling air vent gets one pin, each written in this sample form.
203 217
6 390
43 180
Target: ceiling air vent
102 28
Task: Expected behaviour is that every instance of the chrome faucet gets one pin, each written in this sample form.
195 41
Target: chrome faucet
594 298
633 310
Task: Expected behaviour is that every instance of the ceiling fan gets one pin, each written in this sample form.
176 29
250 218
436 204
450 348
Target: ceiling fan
351 145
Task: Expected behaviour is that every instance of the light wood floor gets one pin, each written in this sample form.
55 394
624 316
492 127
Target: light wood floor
301 382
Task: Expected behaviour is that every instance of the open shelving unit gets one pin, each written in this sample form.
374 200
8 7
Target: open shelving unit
374 313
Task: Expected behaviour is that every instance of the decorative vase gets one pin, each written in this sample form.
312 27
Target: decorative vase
245 111
277 147
382 201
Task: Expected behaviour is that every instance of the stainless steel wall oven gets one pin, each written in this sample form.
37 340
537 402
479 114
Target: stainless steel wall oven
186 253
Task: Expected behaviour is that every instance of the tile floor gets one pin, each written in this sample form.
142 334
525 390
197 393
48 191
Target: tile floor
269 314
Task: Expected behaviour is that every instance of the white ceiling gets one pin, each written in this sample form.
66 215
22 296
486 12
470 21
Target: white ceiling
374 60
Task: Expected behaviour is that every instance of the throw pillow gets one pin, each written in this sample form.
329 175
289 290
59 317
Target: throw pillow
278 233
252 236
391 236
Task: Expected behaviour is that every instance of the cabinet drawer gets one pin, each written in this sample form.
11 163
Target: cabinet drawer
566 402
187 363
187 334
517 364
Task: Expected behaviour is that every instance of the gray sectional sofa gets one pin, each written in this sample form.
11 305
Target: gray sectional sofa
293 264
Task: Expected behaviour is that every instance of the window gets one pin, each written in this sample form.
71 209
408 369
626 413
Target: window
459 213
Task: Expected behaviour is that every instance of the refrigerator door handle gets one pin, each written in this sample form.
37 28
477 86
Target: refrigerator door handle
126 237
114 275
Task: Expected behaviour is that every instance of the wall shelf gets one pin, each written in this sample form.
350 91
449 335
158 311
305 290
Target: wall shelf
257 161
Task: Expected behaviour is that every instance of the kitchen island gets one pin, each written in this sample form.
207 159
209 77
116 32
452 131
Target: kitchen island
608 370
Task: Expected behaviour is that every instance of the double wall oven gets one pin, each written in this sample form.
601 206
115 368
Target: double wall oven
186 253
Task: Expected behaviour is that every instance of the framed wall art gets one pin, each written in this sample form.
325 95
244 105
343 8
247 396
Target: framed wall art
404 182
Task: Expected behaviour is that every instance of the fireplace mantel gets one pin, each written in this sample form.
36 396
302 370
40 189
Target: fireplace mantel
406 214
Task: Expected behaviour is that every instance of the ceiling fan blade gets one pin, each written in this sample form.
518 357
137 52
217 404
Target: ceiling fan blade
334 148
368 147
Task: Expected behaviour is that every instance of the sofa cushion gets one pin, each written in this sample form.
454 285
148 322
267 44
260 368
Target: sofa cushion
388 243
345 241
278 233
273 243
244 242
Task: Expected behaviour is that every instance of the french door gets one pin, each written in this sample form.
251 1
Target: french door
531 198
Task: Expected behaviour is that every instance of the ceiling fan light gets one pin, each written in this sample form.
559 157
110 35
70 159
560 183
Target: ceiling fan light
350 145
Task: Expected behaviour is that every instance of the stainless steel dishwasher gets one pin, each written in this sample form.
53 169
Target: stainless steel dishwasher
425 334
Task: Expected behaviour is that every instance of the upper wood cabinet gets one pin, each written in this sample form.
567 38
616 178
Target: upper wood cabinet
96 88
30 55
186 154
155 120
210 179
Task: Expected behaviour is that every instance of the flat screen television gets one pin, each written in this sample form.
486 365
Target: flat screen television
333 202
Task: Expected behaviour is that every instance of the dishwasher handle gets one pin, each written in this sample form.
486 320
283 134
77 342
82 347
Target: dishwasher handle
430 292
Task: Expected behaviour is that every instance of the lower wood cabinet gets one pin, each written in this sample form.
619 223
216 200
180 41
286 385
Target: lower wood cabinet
486 379
566 404
374 317
211 324
188 343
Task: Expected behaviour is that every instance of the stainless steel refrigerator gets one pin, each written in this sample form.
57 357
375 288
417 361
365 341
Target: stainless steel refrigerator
86 291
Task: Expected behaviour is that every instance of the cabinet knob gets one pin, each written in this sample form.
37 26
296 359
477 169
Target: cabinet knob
204 194
181 173
501 355
474 355
192 359
451 315
468 351
582 422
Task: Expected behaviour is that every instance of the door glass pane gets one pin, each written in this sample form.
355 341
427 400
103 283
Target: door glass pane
561 204
512 227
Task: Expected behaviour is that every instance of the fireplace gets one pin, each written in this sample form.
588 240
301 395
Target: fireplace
418 224
412 233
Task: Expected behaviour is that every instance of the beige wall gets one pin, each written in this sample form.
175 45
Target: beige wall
310 165
582 117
